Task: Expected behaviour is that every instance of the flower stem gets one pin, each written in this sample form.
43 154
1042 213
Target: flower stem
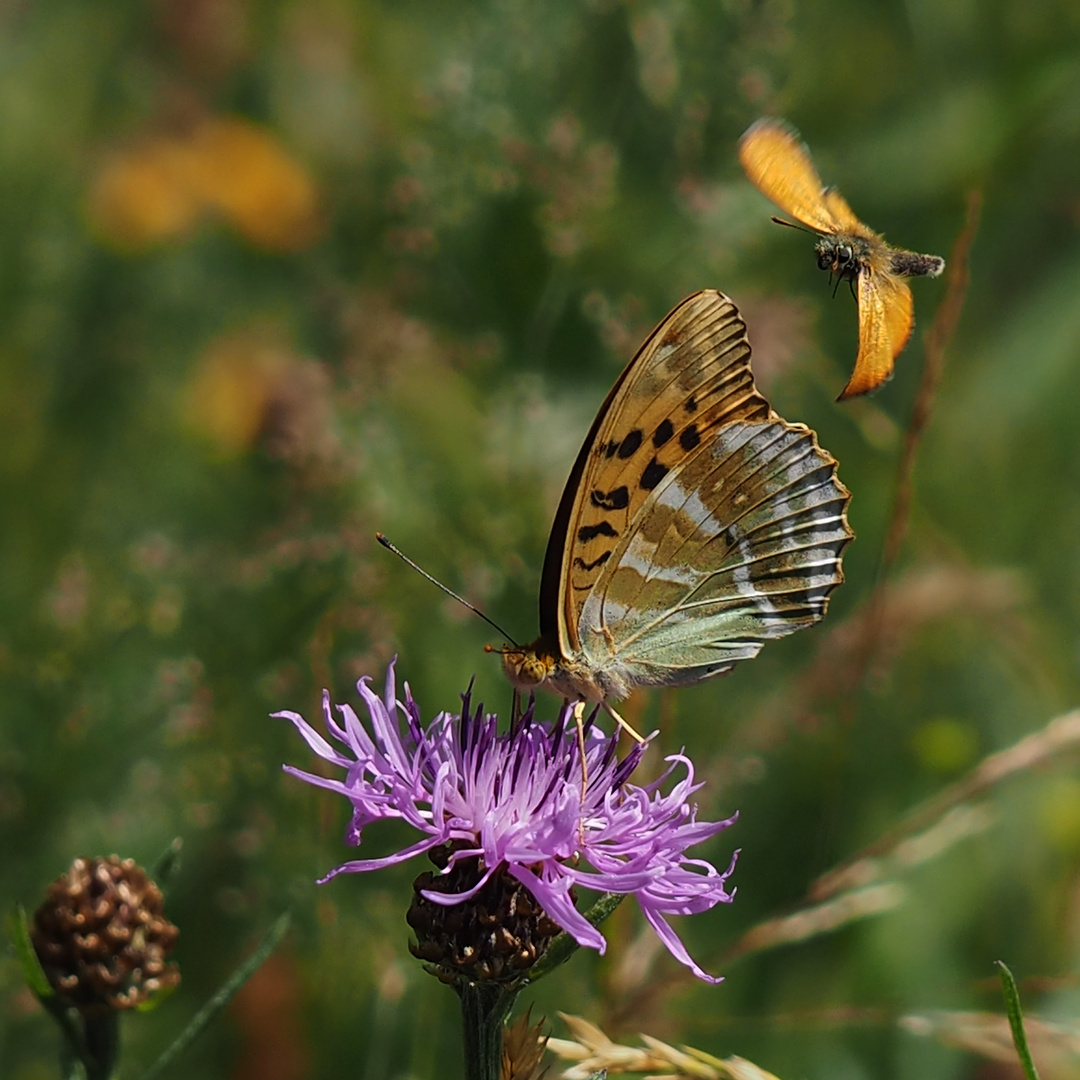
483 1009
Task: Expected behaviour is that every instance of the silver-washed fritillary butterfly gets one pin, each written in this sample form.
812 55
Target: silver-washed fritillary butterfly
696 524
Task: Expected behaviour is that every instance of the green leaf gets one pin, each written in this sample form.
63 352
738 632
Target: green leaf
1016 1021
564 946
33 972
229 989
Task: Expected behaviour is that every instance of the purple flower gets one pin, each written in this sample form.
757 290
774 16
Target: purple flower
515 800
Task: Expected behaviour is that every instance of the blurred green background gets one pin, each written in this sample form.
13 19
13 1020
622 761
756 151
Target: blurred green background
277 275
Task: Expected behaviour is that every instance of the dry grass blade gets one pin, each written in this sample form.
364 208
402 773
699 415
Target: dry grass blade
1061 734
920 597
1057 1046
958 823
820 919
593 1051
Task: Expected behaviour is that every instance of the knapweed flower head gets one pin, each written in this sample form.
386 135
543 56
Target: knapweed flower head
102 938
513 804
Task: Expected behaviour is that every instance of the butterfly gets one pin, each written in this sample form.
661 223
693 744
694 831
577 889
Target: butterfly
695 526
779 166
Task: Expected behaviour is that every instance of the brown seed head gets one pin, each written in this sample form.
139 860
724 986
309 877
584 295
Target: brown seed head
101 937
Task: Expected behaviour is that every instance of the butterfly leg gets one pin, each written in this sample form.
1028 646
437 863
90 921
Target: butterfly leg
579 712
622 723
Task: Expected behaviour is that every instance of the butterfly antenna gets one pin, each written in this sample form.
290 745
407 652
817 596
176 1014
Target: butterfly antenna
791 225
438 584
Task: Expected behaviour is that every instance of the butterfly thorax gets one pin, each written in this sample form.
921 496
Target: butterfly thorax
541 664
847 254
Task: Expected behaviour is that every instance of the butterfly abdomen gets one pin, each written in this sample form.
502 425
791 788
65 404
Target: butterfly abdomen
911 264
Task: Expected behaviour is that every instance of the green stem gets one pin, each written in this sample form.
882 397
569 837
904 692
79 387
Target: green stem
102 1033
483 1009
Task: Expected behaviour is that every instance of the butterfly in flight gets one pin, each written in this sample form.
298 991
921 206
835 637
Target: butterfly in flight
695 526
779 166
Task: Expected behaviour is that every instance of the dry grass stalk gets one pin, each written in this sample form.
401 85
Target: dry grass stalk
935 343
1060 735
592 1050
820 919
1056 1047
955 825
918 598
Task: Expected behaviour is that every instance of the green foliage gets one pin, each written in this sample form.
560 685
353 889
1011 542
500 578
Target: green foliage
440 232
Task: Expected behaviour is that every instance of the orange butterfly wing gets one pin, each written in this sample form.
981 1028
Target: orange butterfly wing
844 215
779 166
886 316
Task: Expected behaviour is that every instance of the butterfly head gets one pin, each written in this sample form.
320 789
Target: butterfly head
528 666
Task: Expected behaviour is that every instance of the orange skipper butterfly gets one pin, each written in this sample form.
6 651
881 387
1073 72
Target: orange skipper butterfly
779 166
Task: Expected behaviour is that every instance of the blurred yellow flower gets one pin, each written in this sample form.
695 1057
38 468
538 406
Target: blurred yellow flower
160 188
245 173
230 389
249 387
141 196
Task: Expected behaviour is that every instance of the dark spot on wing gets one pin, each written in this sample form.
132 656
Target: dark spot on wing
591 532
581 564
615 499
665 429
690 405
628 447
689 438
608 449
653 474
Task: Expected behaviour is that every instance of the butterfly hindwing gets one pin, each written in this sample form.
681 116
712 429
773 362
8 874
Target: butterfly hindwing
738 546
886 316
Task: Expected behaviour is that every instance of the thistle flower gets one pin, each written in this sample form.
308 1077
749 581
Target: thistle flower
512 804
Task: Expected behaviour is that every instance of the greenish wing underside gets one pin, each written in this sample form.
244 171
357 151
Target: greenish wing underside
739 546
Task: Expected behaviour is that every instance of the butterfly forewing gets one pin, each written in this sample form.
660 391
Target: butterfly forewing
739 545
690 378
779 165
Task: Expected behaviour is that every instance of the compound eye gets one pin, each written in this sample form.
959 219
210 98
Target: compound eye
843 254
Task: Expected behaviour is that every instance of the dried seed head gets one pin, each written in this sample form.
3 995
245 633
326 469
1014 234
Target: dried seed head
101 937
